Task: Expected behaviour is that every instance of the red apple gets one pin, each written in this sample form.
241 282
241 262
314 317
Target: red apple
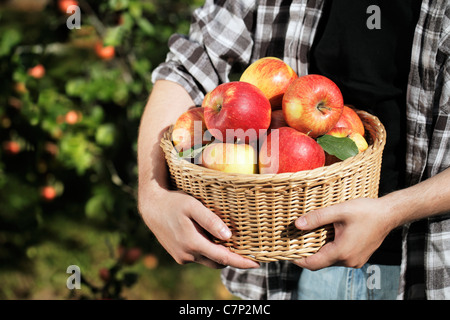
350 119
105 53
342 132
288 150
11 147
15 102
20 87
189 129
230 157
51 148
277 120
65 4
72 117
104 274
129 255
150 261
48 193
237 111
272 76
312 104
37 71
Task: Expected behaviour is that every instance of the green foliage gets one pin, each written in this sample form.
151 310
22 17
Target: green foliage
74 128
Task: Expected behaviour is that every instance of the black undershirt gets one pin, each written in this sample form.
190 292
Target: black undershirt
366 51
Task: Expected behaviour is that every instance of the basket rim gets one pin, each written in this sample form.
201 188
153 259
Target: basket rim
371 123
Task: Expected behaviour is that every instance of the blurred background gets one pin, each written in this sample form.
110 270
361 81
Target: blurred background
70 104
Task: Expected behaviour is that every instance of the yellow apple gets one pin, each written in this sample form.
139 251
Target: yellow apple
342 132
357 138
230 158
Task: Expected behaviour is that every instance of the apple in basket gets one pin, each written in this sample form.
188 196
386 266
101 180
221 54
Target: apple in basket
272 76
357 138
346 151
350 119
289 150
236 112
189 130
277 120
312 104
230 157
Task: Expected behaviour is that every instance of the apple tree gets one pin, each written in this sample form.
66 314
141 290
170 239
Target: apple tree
70 106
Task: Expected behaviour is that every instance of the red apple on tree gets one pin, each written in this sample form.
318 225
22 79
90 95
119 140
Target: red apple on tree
104 274
104 52
129 255
312 104
189 129
150 261
20 87
237 111
51 148
73 117
65 4
272 76
11 147
350 119
289 150
48 193
37 72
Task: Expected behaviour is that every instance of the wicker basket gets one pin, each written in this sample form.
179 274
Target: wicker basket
260 209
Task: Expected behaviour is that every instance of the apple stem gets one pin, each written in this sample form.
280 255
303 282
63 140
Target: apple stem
321 106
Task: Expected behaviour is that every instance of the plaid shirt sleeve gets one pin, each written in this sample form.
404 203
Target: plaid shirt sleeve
428 149
428 95
220 37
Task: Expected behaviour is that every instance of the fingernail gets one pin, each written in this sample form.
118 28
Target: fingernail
301 222
225 233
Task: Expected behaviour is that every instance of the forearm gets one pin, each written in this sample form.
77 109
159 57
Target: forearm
167 102
428 198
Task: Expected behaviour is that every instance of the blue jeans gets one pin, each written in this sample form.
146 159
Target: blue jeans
371 282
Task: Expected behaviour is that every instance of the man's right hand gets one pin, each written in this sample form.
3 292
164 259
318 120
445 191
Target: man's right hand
181 223
183 226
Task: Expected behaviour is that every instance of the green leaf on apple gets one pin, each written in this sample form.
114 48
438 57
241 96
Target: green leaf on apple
192 153
340 147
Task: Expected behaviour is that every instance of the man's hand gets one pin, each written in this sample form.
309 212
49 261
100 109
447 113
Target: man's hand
180 222
360 227
362 224
182 225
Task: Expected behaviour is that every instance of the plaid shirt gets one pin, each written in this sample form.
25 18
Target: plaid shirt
226 36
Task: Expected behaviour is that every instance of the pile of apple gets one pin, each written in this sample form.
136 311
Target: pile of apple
270 121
